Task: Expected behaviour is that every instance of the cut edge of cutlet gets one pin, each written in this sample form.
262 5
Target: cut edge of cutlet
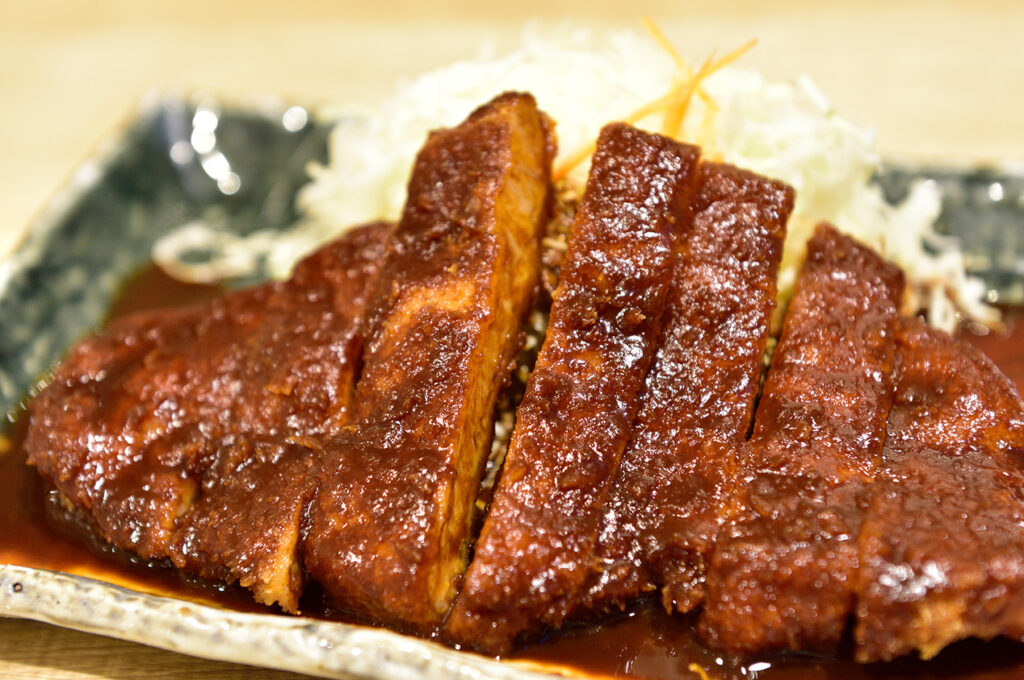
740 218
489 250
755 602
608 216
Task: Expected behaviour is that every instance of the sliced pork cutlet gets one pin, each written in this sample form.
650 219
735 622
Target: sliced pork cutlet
153 427
389 527
942 544
534 551
783 574
672 491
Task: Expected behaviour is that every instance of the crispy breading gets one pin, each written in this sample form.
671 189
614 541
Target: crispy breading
389 527
534 551
673 488
161 428
942 545
783 574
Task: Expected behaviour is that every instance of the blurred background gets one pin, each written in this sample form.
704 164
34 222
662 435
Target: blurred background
936 79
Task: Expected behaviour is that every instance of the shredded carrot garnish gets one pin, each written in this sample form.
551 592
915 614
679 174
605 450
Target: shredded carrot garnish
651 107
674 104
677 112
734 55
675 116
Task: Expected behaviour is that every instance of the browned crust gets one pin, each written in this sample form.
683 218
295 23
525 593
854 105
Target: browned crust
672 490
143 426
942 545
783 574
532 555
390 522
245 523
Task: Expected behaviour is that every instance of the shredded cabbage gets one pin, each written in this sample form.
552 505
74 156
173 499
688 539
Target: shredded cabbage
784 130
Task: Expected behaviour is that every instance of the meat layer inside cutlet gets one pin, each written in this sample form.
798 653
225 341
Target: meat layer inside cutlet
246 521
783 574
672 491
389 526
163 428
942 545
534 551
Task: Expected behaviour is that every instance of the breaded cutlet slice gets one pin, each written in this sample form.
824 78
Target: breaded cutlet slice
783 573
389 527
533 555
942 545
672 493
154 426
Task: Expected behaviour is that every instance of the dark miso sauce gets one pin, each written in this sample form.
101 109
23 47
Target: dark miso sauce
643 642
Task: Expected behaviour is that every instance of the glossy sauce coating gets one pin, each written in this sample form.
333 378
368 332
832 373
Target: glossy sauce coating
144 433
646 643
783 572
671 492
942 547
389 526
535 550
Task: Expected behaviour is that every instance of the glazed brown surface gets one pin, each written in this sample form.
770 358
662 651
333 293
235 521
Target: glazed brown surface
390 522
942 547
672 487
646 643
782 574
534 551
144 435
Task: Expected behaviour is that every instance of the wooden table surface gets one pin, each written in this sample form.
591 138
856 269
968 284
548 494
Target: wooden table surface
935 79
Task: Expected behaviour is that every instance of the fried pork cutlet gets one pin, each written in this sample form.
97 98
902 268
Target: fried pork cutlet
783 575
534 550
942 545
390 522
188 433
673 486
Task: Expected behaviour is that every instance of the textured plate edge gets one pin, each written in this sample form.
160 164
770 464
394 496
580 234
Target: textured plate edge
321 648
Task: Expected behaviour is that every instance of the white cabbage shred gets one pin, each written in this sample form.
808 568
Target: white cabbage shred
784 130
